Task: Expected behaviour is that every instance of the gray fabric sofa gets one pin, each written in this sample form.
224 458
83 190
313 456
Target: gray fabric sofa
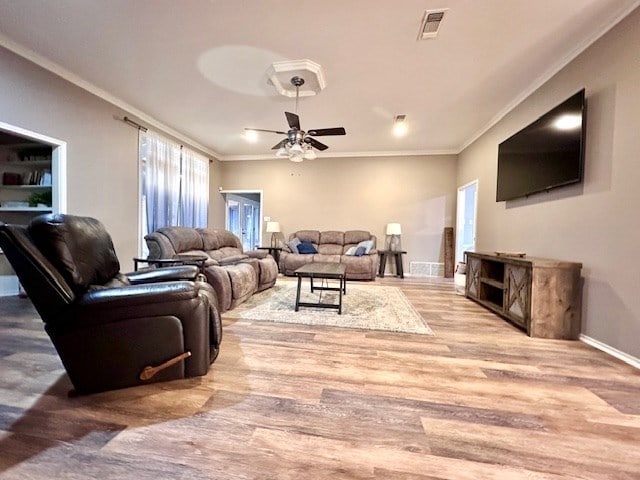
234 274
332 246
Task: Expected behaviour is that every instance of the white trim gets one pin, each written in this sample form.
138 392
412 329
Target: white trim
241 191
71 77
475 217
407 153
62 72
614 352
9 284
545 77
58 162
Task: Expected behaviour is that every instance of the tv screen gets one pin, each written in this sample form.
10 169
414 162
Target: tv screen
547 154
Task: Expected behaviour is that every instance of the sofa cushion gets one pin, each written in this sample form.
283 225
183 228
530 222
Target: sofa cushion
232 259
80 247
183 239
332 237
319 257
228 239
312 236
330 249
224 252
356 236
209 239
306 247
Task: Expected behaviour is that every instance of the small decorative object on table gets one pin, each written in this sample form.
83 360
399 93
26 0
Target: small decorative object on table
511 254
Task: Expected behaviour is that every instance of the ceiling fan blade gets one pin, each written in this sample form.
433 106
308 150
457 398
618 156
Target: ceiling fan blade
318 132
293 120
315 143
263 130
280 144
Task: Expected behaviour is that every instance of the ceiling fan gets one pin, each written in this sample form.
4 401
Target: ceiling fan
299 144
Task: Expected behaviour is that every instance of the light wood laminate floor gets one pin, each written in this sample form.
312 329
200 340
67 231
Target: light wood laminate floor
479 400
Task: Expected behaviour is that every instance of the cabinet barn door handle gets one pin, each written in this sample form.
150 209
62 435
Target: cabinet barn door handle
149 371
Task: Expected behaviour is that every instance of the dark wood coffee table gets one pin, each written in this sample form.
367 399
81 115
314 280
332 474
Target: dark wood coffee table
322 271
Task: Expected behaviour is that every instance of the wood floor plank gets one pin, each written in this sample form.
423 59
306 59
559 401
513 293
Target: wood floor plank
478 400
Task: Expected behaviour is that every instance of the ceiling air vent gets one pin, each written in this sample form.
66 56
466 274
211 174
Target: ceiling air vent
431 23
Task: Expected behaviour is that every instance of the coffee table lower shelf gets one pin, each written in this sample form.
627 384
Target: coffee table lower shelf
322 271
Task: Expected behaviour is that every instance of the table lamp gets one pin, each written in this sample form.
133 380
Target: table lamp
394 230
273 228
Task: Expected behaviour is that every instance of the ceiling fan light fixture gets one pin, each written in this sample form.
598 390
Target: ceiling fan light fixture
296 157
296 149
282 152
310 154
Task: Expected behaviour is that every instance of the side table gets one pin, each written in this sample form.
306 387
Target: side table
398 261
197 260
274 252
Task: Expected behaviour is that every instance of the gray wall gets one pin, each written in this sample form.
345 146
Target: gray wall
357 193
595 223
102 162
102 151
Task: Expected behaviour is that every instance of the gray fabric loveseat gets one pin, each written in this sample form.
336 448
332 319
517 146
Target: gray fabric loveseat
333 246
235 275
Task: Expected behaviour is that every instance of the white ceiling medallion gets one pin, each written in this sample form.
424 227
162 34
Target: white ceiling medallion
280 74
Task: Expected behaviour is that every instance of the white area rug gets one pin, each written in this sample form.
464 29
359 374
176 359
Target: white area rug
365 306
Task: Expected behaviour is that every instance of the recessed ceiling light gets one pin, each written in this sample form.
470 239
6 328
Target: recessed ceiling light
251 136
400 126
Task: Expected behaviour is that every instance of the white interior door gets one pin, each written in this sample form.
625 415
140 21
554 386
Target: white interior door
466 219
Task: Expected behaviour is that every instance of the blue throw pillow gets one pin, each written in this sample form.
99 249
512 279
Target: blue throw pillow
306 247
360 251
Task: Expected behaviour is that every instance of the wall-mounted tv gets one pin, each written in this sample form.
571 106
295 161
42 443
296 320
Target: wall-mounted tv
547 154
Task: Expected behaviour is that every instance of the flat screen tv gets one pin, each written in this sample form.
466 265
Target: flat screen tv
547 154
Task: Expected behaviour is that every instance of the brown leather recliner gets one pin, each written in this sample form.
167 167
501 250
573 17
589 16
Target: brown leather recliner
112 330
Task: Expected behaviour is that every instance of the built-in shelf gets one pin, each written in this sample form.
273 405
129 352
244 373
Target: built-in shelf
27 164
25 209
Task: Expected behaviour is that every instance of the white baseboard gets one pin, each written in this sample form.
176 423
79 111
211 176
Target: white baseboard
614 352
9 285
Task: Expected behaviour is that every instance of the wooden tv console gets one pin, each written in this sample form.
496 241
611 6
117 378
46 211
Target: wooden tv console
541 296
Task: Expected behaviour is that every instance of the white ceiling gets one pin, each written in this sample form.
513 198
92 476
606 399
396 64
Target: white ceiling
199 67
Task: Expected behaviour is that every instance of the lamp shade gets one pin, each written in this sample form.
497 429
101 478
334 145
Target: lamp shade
273 227
394 229
296 148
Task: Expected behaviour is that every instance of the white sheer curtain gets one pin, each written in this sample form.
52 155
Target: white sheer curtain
174 185
194 198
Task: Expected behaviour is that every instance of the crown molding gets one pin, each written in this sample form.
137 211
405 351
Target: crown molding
545 77
401 153
71 77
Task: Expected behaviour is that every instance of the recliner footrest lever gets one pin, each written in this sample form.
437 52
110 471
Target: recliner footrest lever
149 371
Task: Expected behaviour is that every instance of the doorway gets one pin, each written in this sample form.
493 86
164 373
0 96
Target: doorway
243 213
466 219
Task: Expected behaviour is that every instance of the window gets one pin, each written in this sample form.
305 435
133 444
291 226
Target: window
174 185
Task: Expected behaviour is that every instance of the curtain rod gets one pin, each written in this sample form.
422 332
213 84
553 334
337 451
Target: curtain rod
144 129
134 124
